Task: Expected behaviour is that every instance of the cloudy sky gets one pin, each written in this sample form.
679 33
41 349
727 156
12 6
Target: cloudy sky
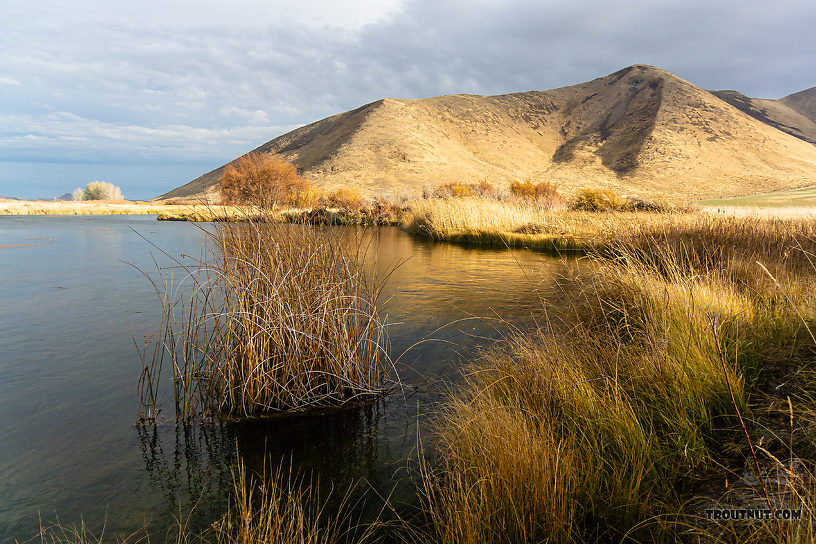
150 94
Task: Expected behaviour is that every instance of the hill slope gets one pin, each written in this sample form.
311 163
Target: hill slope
794 114
803 102
639 131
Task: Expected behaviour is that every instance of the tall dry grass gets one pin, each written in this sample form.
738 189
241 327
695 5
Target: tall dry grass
604 423
441 217
272 318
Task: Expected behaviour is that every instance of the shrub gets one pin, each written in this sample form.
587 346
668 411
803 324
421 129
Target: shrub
547 190
453 190
97 190
346 198
524 189
456 189
262 179
640 205
308 198
596 200
529 190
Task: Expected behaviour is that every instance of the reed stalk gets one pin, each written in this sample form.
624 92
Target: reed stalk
272 318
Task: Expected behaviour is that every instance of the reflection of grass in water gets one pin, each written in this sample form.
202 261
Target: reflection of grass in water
275 508
190 464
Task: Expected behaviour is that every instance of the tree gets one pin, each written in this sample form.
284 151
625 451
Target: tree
98 190
262 179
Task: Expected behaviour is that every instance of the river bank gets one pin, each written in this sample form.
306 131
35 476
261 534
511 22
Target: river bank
672 377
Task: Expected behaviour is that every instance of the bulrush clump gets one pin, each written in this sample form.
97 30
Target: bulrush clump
280 318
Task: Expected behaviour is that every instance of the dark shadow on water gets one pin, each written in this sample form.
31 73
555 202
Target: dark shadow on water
339 452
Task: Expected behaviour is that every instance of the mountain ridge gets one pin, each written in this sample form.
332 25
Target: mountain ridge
639 131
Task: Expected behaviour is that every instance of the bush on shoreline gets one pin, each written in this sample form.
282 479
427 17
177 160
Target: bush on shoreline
262 179
97 190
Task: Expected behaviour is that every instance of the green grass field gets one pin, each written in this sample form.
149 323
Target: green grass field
798 198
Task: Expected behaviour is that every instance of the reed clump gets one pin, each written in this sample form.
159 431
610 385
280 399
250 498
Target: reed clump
604 422
277 318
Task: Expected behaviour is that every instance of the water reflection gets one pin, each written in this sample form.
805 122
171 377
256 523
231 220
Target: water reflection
190 466
68 375
193 465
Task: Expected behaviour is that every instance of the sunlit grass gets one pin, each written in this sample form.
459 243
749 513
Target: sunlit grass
600 424
276 318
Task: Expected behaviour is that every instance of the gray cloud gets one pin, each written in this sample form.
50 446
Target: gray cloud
205 83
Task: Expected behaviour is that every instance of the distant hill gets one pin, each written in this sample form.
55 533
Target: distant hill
639 131
794 114
804 102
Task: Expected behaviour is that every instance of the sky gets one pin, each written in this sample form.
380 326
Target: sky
151 94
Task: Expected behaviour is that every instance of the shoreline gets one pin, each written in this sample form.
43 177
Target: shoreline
102 207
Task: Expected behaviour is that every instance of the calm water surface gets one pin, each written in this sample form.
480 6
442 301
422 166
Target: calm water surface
70 306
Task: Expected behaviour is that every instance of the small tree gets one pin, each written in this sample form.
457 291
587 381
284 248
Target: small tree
263 179
98 190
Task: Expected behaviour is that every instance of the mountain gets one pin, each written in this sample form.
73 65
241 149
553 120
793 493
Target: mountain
794 114
639 131
803 102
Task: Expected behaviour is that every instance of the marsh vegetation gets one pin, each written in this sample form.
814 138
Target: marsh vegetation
673 374
276 318
620 417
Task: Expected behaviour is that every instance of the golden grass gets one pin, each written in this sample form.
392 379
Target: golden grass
203 212
280 317
484 221
598 425
488 222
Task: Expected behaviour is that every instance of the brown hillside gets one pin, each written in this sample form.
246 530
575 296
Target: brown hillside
803 102
793 114
639 131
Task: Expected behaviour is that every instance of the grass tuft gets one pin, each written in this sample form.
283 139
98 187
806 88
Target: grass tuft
279 318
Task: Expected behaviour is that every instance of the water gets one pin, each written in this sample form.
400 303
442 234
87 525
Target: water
70 306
